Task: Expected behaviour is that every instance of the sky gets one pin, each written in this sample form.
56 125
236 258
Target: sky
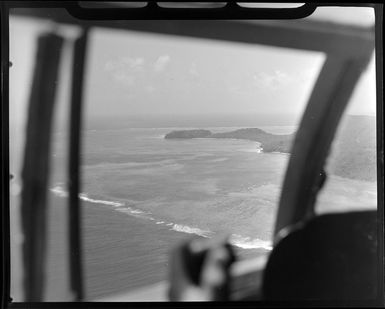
159 74
131 73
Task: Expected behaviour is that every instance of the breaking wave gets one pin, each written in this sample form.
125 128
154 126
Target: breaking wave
250 243
85 197
59 191
191 230
235 239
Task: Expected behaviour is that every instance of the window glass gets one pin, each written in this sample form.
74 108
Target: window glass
145 187
24 33
182 137
352 166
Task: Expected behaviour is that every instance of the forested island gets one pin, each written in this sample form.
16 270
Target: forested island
353 152
269 142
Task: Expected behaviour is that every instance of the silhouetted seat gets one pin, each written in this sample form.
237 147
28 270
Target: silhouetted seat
332 257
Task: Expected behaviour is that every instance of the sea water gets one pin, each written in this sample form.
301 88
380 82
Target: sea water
193 186
142 194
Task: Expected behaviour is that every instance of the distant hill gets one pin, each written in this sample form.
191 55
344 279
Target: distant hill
353 152
269 142
188 134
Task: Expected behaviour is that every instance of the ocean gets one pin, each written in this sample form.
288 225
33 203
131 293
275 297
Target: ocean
142 195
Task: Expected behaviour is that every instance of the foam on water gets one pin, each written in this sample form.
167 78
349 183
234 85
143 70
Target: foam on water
84 197
190 230
235 239
219 160
59 191
256 150
250 243
136 211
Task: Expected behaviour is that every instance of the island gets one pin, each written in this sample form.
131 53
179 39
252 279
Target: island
188 134
352 155
269 142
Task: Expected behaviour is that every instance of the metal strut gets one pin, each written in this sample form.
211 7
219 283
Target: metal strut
75 244
36 164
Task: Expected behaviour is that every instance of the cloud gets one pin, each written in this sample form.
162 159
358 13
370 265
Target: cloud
273 80
161 63
150 89
133 63
193 69
124 78
123 69
125 63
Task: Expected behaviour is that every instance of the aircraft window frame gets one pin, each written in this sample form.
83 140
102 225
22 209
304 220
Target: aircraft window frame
342 56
